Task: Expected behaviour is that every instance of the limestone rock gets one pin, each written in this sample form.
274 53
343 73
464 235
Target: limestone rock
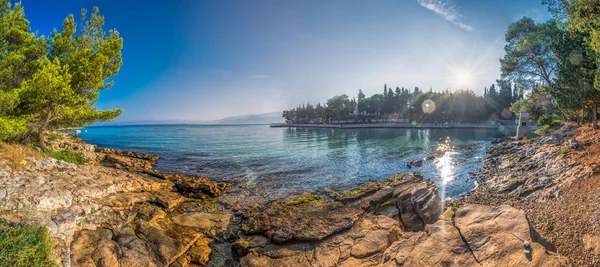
168 199
496 236
419 204
202 220
48 164
283 222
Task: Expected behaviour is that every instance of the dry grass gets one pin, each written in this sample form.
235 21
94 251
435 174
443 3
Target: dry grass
18 155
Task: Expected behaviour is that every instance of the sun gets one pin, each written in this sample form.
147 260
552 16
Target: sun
463 78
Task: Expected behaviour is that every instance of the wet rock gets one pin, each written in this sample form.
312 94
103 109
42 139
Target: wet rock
129 154
430 157
127 163
418 163
197 187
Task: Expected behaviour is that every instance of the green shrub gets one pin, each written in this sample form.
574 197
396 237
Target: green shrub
66 155
24 245
541 131
54 137
545 120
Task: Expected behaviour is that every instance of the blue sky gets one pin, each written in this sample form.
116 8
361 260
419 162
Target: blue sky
205 59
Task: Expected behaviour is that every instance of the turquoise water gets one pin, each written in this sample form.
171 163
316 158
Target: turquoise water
290 160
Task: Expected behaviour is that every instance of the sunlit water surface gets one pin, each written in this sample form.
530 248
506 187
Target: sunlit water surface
291 160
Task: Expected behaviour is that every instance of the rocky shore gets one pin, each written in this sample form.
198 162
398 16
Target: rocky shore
533 207
554 180
115 210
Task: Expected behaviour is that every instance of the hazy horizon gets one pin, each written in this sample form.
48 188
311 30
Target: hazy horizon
206 60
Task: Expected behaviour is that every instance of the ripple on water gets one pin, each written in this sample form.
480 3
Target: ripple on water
278 161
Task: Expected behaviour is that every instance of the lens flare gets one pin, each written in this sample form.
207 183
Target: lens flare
428 106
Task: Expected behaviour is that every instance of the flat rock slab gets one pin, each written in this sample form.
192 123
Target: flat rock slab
361 246
496 235
439 245
202 220
312 221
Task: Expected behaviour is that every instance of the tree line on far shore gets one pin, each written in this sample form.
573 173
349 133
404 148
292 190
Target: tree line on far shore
404 105
550 69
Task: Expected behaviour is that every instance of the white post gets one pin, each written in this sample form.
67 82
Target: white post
523 128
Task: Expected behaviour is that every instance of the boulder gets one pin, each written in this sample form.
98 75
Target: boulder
419 204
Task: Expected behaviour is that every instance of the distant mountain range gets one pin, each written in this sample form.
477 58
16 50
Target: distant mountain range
266 118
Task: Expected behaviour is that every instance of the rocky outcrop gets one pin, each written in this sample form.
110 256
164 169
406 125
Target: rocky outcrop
474 236
503 236
538 166
139 162
118 213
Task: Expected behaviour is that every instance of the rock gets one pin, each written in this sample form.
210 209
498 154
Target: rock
361 245
49 164
130 154
419 204
197 187
126 199
167 240
382 196
418 163
122 162
409 164
200 252
316 220
430 157
94 248
391 212
134 250
592 243
201 220
440 244
168 199
496 236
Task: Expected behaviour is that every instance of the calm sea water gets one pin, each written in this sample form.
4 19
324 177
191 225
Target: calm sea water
291 160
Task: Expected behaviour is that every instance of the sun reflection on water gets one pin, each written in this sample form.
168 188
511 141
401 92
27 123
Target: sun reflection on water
445 165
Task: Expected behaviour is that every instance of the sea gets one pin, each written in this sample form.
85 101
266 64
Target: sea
283 161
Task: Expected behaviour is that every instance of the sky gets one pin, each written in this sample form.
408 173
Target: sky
209 59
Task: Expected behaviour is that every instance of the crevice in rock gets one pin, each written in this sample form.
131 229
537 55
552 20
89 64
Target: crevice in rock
465 241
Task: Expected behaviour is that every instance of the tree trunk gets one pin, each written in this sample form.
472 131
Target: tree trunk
42 130
595 116
42 141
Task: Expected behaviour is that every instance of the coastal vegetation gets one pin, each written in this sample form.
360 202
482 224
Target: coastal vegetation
24 245
404 105
53 82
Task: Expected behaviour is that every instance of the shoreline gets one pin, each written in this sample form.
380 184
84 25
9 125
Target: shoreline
248 236
511 128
